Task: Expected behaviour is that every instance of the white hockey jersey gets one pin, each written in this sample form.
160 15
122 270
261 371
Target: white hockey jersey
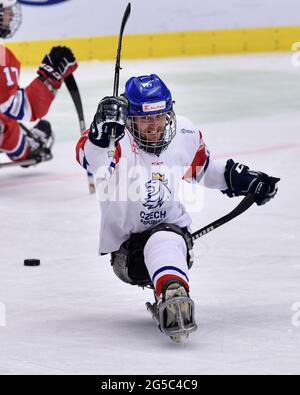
139 190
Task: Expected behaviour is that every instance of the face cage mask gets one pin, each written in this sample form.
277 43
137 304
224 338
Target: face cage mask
153 147
8 30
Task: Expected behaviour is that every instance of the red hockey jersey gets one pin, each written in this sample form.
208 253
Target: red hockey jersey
28 103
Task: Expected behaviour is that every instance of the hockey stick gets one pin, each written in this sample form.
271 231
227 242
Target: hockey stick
75 95
112 148
26 163
241 207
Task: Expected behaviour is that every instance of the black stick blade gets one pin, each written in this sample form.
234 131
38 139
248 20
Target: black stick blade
118 59
75 95
125 18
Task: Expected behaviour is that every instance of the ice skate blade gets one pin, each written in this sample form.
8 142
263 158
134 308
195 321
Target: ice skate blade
180 339
177 335
182 327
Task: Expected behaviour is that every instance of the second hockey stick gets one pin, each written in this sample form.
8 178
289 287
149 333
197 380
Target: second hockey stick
25 163
74 92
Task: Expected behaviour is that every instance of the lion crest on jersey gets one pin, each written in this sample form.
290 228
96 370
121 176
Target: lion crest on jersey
157 191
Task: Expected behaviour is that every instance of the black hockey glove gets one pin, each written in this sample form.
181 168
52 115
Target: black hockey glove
242 181
111 115
56 66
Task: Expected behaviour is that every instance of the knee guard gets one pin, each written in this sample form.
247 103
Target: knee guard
182 232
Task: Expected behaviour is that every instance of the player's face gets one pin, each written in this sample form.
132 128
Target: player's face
8 15
151 127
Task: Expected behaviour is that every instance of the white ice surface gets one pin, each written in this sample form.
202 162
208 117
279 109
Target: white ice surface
72 315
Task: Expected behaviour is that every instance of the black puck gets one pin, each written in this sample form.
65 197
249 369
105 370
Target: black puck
32 262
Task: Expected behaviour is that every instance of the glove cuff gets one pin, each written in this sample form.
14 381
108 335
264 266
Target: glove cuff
239 179
48 84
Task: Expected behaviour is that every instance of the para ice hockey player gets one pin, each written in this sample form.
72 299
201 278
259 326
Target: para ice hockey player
148 235
33 102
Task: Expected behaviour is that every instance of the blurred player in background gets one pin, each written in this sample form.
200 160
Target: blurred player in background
30 103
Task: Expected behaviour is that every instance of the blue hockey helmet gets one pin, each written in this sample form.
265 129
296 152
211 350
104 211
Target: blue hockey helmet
149 98
147 95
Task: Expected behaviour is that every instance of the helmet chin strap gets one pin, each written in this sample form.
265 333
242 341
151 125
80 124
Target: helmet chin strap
153 149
